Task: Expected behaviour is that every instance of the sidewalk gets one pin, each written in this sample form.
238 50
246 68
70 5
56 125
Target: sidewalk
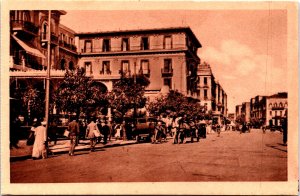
62 146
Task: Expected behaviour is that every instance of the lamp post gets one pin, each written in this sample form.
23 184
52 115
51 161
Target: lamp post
134 83
48 74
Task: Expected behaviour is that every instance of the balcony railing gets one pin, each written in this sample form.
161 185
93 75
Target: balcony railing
24 26
166 72
54 38
145 72
67 46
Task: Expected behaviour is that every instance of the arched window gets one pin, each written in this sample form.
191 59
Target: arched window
44 30
280 104
270 105
275 105
71 65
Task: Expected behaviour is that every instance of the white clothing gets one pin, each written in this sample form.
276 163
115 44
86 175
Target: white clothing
39 142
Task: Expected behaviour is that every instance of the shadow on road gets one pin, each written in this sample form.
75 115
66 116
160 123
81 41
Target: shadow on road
275 147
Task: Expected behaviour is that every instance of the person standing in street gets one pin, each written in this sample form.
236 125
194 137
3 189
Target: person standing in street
73 128
90 134
104 130
285 129
39 147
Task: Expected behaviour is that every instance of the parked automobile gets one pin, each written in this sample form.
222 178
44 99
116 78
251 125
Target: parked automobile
144 128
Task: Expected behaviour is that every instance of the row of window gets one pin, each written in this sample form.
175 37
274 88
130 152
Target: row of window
205 93
204 80
276 113
125 66
66 39
280 105
125 44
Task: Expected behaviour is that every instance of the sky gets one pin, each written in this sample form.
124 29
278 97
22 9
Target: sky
246 49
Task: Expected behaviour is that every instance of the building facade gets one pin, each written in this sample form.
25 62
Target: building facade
258 109
168 57
276 108
210 92
245 111
265 110
238 111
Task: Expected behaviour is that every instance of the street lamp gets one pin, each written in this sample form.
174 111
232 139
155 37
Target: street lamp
48 75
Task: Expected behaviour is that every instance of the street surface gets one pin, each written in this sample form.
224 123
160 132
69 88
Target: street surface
233 156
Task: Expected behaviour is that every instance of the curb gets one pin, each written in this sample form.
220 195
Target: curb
21 158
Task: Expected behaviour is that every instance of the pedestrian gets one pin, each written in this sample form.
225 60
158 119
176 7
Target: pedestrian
176 129
73 128
14 129
208 128
158 133
105 131
123 130
39 147
117 129
285 129
91 127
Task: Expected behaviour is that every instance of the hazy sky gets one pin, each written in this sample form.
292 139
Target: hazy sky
247 49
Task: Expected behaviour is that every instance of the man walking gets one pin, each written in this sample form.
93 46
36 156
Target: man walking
90 134
73 128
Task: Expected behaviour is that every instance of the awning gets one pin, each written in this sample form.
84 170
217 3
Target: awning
28 49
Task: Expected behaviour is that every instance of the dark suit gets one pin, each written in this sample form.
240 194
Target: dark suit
74 131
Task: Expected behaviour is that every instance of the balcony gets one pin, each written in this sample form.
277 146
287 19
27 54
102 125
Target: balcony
105 72
64 44
125 72
145 72
24 26
54 38
167 72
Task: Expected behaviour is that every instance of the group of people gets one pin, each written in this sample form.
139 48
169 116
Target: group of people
178 127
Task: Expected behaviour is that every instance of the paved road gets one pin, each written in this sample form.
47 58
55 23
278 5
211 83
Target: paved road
232 157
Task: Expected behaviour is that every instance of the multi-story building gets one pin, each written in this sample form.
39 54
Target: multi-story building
258 108
238 111
276 108
168 57
28 48
210 92
245 111
265 110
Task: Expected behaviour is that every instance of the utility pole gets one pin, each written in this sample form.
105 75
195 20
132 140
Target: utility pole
48 73
134 82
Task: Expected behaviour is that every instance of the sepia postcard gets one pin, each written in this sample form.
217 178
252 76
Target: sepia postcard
149 98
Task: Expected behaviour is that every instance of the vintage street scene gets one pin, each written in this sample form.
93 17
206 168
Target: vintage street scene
148 96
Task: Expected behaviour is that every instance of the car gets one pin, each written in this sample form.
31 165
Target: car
144 128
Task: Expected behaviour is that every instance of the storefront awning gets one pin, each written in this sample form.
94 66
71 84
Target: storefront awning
29 49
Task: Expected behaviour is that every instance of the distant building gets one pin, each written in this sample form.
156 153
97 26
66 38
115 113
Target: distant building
210 92
231 116
238 111
258 109
276 108
245 111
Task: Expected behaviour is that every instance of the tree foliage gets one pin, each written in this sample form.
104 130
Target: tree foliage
33 100
128 94
177 104
78 93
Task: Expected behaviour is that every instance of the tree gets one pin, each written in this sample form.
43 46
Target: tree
128 94
34 101
176 103
78 93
